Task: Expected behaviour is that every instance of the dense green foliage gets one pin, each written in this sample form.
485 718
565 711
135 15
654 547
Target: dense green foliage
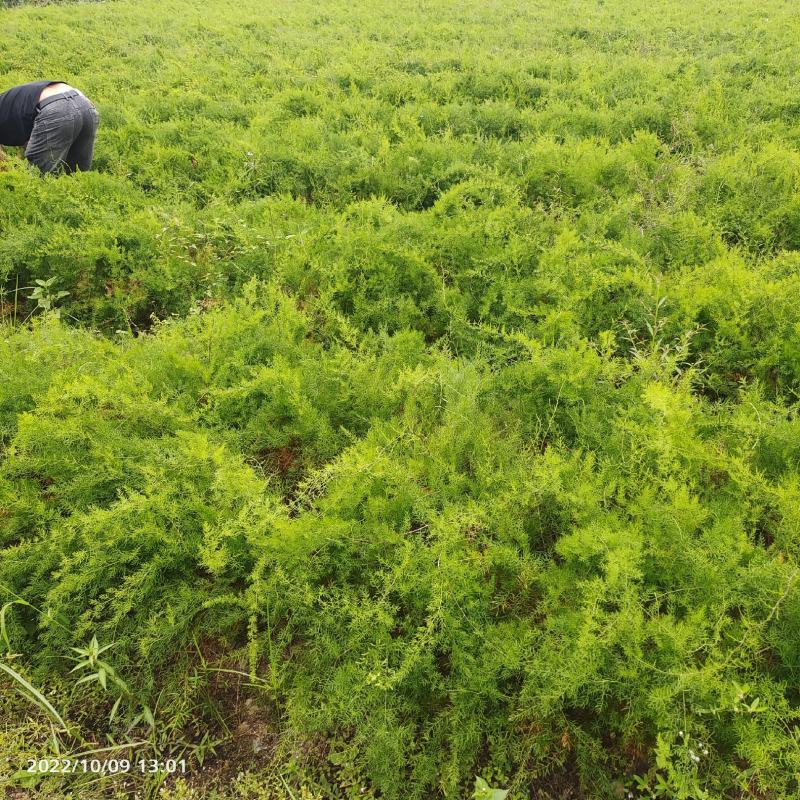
439 365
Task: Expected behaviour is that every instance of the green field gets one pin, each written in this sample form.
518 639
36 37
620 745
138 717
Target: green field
409 401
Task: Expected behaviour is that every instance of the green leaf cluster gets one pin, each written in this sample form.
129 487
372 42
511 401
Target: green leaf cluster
436 368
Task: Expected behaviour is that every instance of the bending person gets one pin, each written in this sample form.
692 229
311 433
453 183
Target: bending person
55 123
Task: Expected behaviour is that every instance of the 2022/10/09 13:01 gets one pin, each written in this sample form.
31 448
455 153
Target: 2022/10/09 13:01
109 766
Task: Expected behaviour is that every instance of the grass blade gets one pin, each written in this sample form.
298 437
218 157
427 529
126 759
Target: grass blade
34 695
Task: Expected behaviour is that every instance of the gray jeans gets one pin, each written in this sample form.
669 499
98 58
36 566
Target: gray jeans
63 133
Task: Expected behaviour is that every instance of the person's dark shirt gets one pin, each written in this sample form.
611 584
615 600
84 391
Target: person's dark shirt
17 112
